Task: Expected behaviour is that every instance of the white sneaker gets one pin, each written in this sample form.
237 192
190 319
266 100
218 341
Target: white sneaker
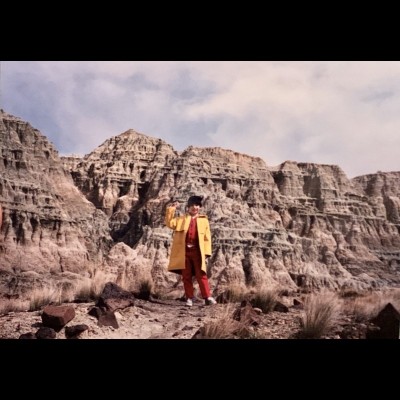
210 301
189 302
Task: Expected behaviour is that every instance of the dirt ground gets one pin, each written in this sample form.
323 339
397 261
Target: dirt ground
171 319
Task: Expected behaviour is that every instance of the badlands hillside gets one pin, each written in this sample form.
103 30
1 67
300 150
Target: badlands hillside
296 227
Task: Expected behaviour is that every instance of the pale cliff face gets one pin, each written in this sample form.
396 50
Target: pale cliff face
48 227
297 224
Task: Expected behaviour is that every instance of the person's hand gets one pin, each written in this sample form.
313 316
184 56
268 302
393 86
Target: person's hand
174 204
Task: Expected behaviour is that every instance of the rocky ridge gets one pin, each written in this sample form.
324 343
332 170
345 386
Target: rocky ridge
50 230
297 225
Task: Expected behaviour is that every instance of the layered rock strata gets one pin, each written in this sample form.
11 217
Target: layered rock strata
297 225
49 228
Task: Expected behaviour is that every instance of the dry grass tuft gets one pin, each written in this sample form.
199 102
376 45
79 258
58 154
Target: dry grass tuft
13 305
368 304
139 282
320 313
68 295
83 291
235 293
265 299
224 327
90 289
44 296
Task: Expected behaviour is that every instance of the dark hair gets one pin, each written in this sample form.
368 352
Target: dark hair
195 200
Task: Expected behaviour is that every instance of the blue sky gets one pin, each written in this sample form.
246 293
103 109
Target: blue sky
342 113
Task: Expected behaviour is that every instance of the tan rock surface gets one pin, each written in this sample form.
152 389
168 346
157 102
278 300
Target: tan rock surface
49 228
295 225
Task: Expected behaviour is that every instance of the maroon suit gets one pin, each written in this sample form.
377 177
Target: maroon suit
193 263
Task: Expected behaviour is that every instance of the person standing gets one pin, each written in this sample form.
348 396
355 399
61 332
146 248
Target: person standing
191 246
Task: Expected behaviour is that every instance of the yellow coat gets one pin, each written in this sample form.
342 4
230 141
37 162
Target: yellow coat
180 225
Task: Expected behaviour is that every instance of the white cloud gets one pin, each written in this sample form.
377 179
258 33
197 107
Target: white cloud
343 113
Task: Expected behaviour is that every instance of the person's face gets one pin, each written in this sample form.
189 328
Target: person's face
193 209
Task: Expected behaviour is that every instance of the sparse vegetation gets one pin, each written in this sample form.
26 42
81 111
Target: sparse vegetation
90 289
227 327
140 283
368 304
265 299
235 293
44 296
13 305
320 313
83 291
223 321
68 295
222 328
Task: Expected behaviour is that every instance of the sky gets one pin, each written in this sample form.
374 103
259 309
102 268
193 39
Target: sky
345 113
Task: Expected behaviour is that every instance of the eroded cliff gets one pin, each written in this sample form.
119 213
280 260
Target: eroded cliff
295 225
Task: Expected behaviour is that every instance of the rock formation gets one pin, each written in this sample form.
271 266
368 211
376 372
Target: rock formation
49 231
297 224
294 225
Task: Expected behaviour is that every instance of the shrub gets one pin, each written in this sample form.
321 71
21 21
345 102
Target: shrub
234 293
13 305
265 299
320 313
42 297
90 289
222 328
368 305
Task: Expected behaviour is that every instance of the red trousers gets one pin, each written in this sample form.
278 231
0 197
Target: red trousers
193 267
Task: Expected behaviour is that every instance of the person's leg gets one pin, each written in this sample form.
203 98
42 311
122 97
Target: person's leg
201 276
187 277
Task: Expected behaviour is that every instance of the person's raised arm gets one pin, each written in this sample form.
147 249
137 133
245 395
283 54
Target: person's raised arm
170 219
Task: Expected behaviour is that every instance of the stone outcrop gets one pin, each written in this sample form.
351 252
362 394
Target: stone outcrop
297 225
383 194
50 230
